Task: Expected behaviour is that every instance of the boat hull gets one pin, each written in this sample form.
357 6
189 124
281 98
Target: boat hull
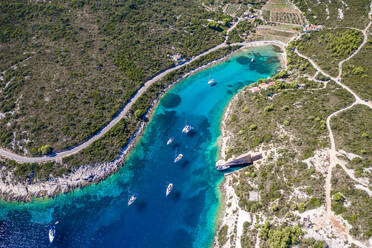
51 236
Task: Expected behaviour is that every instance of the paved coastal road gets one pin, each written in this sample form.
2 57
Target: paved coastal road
24 159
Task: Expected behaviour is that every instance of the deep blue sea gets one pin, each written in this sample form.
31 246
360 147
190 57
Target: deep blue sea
98 215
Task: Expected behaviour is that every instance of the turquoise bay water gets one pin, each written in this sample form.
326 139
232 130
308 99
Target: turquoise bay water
98 215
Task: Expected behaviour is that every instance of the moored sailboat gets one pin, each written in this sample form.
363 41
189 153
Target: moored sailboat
169 189
170 141
132 199
187 129
178 158
52 234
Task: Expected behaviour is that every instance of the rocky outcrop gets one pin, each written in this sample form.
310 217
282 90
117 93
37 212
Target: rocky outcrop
84 175
79 178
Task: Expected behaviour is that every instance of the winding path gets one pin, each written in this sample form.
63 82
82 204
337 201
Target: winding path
333 152
59 155
333 160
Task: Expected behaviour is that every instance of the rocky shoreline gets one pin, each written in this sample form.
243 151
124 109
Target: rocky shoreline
83 176
86 174
231 215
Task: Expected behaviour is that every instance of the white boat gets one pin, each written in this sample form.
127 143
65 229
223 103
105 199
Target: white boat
222 167
132 199
178 158
170 141
252 60
187 129
211 81
169 189
52 234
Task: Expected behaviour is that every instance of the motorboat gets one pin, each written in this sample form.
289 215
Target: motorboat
178 158
132 199
211 82
170 141
52 234
222 167
252 60
187 129
169 189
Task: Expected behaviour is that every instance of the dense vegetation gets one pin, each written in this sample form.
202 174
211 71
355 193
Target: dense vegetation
241 32
82 60
273 236
296 63
355 12
28 173
301 112
222 235
356 73
328 47
280 236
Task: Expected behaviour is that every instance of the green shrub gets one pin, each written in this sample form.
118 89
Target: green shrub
339 197
222 235
301 207
285 108
269 108
44 150
139 113
280 236
358 70
252 127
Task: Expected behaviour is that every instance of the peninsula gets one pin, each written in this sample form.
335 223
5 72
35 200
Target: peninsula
312 123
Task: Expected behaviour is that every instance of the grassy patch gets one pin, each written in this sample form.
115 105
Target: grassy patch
353 133
358 212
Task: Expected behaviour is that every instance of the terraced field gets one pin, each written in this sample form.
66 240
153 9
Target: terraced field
282 11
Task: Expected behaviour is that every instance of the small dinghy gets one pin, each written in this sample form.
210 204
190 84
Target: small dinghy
187 129
178 158
52 234
132 199
170 141
169 189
